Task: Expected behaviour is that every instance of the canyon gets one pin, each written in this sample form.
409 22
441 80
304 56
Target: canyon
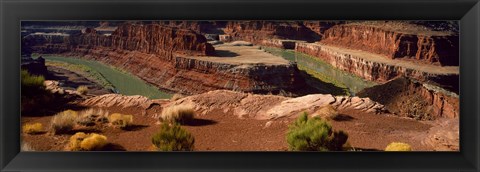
162 56
245 96
374 51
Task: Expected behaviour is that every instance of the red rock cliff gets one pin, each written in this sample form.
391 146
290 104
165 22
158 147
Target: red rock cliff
372 67
159 55
425 46
256 31
151 38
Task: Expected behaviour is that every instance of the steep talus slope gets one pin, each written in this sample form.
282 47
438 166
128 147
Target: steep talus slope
413 99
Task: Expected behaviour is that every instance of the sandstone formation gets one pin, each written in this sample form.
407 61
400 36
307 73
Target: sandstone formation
256 31
161 55
413 99
264 107
378 68
205 27
121 101
397 40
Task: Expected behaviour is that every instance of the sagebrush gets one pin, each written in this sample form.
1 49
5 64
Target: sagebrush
63 122
120 120
173 138
177 113
327 112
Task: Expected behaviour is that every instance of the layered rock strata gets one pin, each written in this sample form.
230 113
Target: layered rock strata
426 46
378 68
160 55
256 31
264 107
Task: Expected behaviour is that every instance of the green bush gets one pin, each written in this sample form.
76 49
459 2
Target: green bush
31 83
314 134
173 138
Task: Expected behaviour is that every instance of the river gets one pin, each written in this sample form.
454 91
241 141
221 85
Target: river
323 70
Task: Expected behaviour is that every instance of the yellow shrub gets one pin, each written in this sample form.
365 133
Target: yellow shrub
86 142
326 112
94 142
64 121
32 128
120 120
82 90
177 113
398 146
75 140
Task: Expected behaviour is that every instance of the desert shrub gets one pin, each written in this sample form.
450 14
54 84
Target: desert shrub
176 97
82 90
173 138
177 113
75 141
86 142
94 142
31 81
31 85
120 120
63 122
327 112
90 116
314 134
32 128
398 146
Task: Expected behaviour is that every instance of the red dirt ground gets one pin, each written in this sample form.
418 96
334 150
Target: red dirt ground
217 131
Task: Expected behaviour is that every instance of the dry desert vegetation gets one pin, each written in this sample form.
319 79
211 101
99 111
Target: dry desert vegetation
240 86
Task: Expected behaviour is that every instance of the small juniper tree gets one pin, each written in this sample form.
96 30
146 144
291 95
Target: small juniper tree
314 134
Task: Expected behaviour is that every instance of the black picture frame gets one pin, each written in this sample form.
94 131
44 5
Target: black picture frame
13 11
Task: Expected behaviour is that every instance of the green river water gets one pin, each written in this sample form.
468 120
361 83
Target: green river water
123 82
323 70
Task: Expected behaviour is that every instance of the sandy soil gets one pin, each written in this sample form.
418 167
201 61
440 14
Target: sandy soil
219 131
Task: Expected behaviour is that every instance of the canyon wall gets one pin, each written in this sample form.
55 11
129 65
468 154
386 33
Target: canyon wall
423 46
413 99
373 70
256 31
159 55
